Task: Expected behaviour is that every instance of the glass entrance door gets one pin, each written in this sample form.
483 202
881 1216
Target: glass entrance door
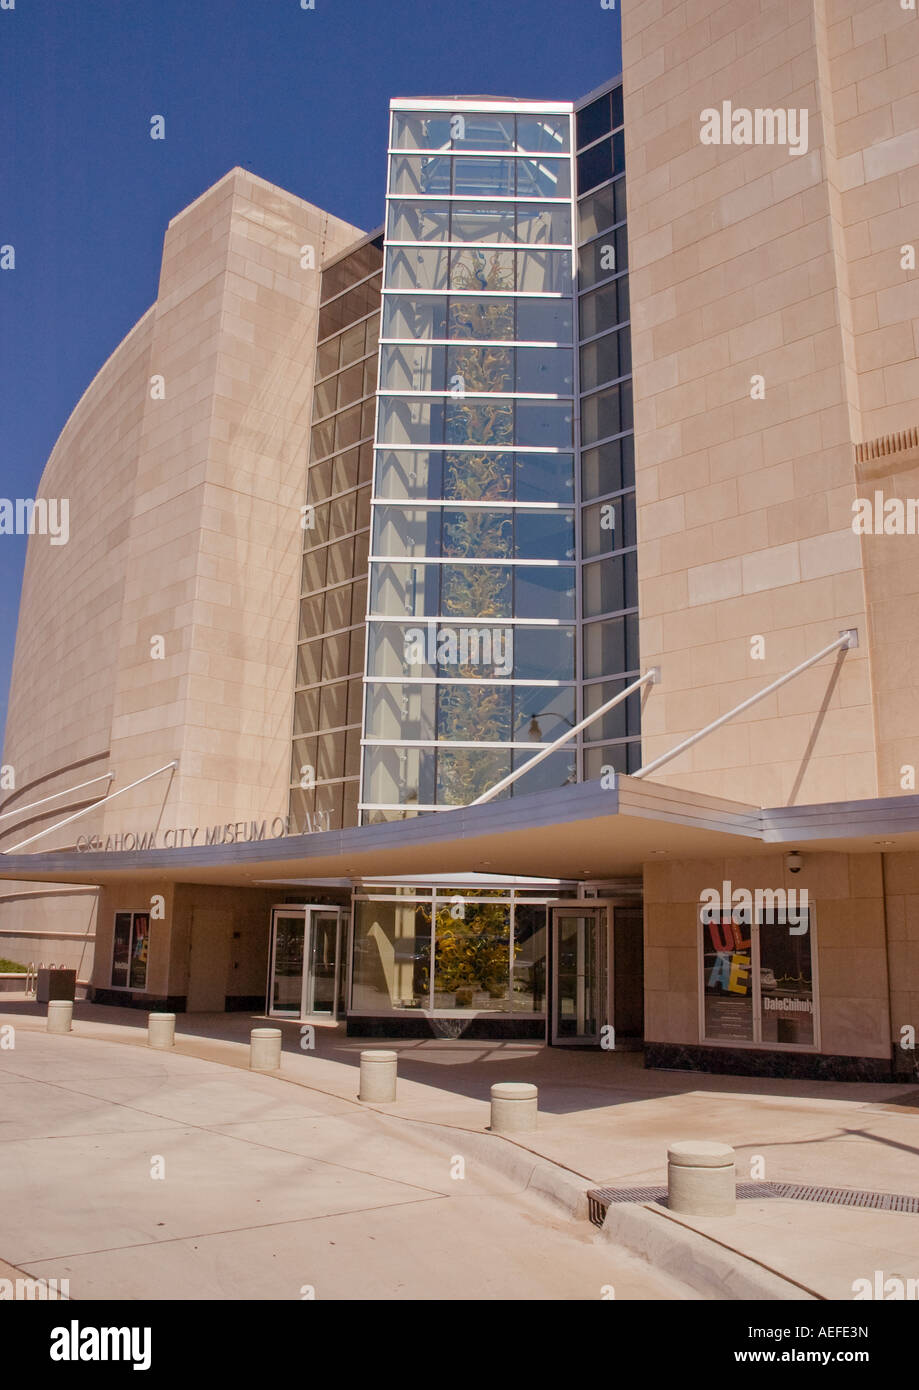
578 975
304 962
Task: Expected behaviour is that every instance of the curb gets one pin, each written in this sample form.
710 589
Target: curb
565 1188
711 1269
699 1262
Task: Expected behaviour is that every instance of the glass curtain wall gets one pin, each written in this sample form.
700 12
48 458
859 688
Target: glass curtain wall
325 759
609 586
450 949
472 646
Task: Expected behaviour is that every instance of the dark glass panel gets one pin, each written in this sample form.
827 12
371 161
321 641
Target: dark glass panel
594 120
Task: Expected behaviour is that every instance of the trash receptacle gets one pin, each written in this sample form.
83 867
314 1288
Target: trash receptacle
56 984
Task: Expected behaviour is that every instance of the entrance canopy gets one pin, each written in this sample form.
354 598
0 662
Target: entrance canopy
582 832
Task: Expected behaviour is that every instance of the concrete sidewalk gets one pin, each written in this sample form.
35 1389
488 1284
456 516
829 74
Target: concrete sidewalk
149 1175
605 1121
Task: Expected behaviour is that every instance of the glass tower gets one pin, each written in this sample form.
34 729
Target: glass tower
473 659
609 584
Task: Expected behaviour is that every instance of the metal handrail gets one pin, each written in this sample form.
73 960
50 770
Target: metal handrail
95 806
653 675
845 640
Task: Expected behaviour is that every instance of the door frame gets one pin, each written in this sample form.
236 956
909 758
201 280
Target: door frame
308 911
579 907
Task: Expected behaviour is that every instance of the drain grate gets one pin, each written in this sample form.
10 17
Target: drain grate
600 1199
845 1197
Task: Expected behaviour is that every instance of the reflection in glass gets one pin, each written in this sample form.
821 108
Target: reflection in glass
623 758
544 321
543 222
544 371
544 477
411 221
477 713
476 591
477 420
786 978
609 468
472 957
473 269
413 130
481 318
465 773
543 592
622 721
287 979
484 131
478 477
391 956
405 589
602 209
610 585
544 653
543 134
406 531
401 775
608 526
542 713
606 412
611 646
477 534
601 259
413 175
412 368
473 177
416 267
408 474
544 424
529 994
544 272
543 178
482 222
482 368
557 770
605 359
406 317
604 308
544 535
400 710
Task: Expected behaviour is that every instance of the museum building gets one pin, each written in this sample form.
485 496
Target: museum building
464 629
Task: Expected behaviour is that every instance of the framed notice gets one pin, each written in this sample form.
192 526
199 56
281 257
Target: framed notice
130 948
758 977
727 979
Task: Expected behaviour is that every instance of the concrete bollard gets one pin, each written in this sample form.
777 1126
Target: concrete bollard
265 1049
161 1030
378 1075
701 1178
514 1107
60 1015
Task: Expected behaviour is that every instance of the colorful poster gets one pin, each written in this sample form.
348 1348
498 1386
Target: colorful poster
139 950
727 979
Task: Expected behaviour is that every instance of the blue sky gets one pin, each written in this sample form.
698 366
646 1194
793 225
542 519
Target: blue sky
300 97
